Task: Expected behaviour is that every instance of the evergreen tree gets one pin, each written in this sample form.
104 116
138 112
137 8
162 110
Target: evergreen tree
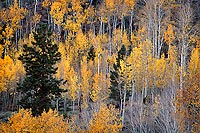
40 85
116 84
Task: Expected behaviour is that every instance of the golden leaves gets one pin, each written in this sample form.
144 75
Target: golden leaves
58 10
125 40
23 121
8 32
105 120
46 3
36 18
130 3
101 84
194 65
15 14
81 42
169 35
7 72
160 71
10 23
72 84
110 4
85 84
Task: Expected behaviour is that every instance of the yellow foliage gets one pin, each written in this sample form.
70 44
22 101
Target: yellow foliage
117 37
156 106
110 4
58 10
36 18
106 120
81 42
160 72
135 40
76 16
63 65
67 73
11 18
72 84
137 67
85 81
51 122
130 2
8 32
101 84
112 59
1 50
197 38
181 113
15 14
23 121
172 77
46 3
194 65
192 92
125 40
7 72
125 72
188 100
169 35
19 122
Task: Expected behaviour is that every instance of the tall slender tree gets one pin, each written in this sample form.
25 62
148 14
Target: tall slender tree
39 59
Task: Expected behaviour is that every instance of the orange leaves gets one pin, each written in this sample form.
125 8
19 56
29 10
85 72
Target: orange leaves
63 65
194 65
72 84
51 122
123 6
169 35
188 100
129 3
85 81
58 10
105 120
46 3
16 14
36 18
81 42
76 16
8 32
125 40
125 71
110 4
10 19
19 122
101 84
192 93
137 67
23 121
68 74
160 71
7 72
7 35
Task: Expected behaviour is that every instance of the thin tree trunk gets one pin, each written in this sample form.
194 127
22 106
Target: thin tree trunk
73 103
132 96
123 109
65 103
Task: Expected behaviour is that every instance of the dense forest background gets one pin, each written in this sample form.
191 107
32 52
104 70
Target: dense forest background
99 66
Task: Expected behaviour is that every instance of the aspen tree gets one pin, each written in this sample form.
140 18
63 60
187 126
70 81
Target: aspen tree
85 85
105 120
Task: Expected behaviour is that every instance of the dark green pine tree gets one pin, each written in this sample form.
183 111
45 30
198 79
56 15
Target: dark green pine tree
114 76
40 85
